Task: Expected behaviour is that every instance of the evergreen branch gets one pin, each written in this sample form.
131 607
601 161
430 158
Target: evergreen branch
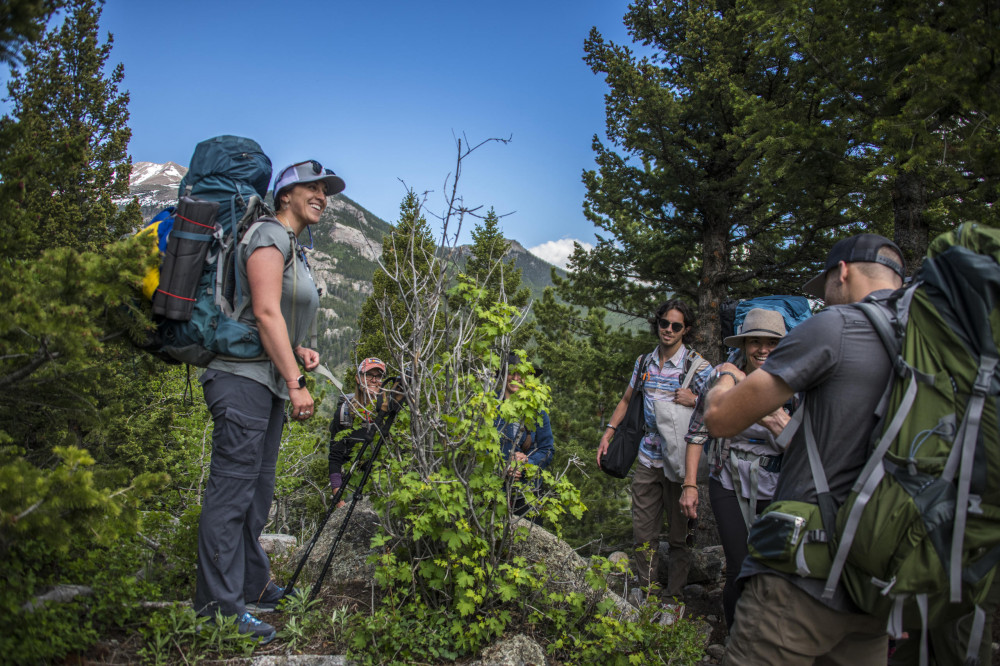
39 358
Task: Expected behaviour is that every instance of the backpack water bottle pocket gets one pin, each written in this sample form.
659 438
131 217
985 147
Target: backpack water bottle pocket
190 239
789 537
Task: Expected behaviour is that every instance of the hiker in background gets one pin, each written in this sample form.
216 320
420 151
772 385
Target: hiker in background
676 376
362 405
521 443
247 402
743 470
838 360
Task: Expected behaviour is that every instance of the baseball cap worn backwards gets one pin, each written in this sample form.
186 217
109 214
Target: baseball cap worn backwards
859 248
307 172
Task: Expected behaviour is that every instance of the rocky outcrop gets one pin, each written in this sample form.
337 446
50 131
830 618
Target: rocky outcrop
349 566
518 650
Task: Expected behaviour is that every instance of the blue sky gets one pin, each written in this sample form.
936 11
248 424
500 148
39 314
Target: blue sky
379 92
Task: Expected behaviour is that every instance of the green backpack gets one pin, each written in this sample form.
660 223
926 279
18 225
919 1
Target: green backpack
918 539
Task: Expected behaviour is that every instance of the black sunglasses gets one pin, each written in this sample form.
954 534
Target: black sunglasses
674 326
317 169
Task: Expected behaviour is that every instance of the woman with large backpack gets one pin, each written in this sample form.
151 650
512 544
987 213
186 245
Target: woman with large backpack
743 470
247 400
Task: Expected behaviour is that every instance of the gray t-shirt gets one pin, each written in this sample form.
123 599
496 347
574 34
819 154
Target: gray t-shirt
840 363
299 302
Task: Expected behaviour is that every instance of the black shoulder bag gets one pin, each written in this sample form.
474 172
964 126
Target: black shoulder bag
624 445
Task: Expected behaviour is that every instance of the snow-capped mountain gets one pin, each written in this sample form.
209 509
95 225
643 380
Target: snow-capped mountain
155 185
151 174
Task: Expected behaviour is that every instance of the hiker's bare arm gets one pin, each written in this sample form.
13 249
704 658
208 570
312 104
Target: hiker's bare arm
616 418
265 268
689 492
732 409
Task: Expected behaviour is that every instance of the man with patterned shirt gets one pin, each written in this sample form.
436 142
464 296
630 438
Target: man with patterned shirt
675 376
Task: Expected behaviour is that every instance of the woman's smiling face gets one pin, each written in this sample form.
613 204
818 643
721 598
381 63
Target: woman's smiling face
306 201
757 350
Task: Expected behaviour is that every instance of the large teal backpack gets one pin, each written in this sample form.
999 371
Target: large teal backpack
918 540
199 299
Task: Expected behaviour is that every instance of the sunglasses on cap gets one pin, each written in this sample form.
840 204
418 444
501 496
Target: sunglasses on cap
674 326
317 169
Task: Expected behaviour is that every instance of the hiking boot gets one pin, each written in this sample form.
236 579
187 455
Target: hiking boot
251 626
269 599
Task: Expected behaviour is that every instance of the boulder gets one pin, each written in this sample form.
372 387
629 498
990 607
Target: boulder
518 650
277 544
349 566
707 565
566 569
300 660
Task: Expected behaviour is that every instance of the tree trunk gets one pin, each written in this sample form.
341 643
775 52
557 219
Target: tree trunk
712 291
911 231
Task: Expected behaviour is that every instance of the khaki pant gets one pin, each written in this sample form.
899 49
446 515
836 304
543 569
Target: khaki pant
777 623
652 496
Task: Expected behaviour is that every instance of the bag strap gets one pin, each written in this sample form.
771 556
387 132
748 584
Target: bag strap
643 369
692 368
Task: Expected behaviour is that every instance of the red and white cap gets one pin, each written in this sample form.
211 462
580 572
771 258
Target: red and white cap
370 363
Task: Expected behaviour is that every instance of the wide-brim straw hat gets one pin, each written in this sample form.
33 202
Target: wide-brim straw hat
759 323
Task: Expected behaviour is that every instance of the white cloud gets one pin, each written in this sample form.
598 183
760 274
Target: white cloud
557 252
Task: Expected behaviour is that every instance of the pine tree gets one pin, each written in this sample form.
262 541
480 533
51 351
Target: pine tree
499 277
68 161
408 260
689 203
917 84
21 22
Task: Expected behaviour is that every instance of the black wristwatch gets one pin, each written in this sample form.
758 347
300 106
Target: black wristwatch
300 382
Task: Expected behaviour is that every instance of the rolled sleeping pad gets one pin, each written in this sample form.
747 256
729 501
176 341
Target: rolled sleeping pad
184 261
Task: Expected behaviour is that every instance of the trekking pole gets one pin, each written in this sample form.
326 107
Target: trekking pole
379 426
333 507
350 510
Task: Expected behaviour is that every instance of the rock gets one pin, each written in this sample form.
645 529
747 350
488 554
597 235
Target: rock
707 565
349 566
277 544
670 614
59 594
518 650
716 651
694 591
618 556
565 568
300 660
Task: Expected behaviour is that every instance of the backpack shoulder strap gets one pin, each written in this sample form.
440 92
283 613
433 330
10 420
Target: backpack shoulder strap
293 241
342 414
882 325
693 360
643 369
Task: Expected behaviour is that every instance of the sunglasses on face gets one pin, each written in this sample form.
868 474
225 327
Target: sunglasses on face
674 326
374 375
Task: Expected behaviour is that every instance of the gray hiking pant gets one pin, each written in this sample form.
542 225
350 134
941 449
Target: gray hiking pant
654 495
248 418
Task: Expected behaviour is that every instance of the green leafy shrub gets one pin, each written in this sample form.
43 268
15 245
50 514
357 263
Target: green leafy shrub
178 635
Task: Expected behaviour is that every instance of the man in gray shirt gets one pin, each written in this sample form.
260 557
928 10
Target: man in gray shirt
837 359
